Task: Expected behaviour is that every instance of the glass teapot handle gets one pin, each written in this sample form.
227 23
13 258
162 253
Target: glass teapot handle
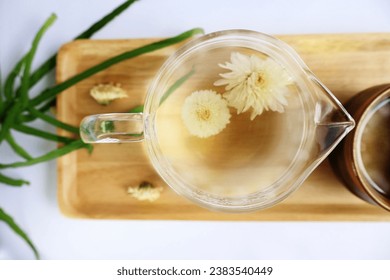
112 128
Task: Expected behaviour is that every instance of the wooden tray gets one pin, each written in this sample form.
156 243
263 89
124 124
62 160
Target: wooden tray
95 186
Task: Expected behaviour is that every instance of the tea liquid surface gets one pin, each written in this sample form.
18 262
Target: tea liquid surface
375 148
248 155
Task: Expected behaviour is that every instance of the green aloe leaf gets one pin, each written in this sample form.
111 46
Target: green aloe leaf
176 85
9 92
138 109
11 223
50 63
14 102
12 182
42 134
30 56
17 148
9 120
43 109
46 106
170 90
20 103
51 93
75 145
10 81
1 92
54 121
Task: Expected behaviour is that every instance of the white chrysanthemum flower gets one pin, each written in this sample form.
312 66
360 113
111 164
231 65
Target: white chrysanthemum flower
145 191
205 113
104 94
254 83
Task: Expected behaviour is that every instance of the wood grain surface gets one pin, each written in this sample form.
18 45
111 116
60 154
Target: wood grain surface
95 186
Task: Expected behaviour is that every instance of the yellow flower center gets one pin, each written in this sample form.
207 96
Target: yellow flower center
258 80
261 80
203 114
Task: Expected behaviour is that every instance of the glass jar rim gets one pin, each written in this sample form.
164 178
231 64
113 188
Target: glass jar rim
372 189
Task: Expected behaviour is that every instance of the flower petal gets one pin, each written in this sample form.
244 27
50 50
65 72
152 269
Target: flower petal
205 113
255 83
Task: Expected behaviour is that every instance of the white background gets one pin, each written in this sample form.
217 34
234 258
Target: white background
57 237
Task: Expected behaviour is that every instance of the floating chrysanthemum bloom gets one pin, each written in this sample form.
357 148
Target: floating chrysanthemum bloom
205 113
254 83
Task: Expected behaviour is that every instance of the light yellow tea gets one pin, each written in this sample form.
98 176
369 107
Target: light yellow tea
247 155
375 148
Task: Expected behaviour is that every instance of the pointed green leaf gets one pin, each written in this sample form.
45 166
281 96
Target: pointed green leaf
138 109
170 90
10 81
176 85
1 90
42 134
30 56
50 63
75 145
54 121
12 182
52 92
11 223
16 147
20 103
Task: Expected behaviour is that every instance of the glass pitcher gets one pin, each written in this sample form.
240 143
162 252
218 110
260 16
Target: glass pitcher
234 121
